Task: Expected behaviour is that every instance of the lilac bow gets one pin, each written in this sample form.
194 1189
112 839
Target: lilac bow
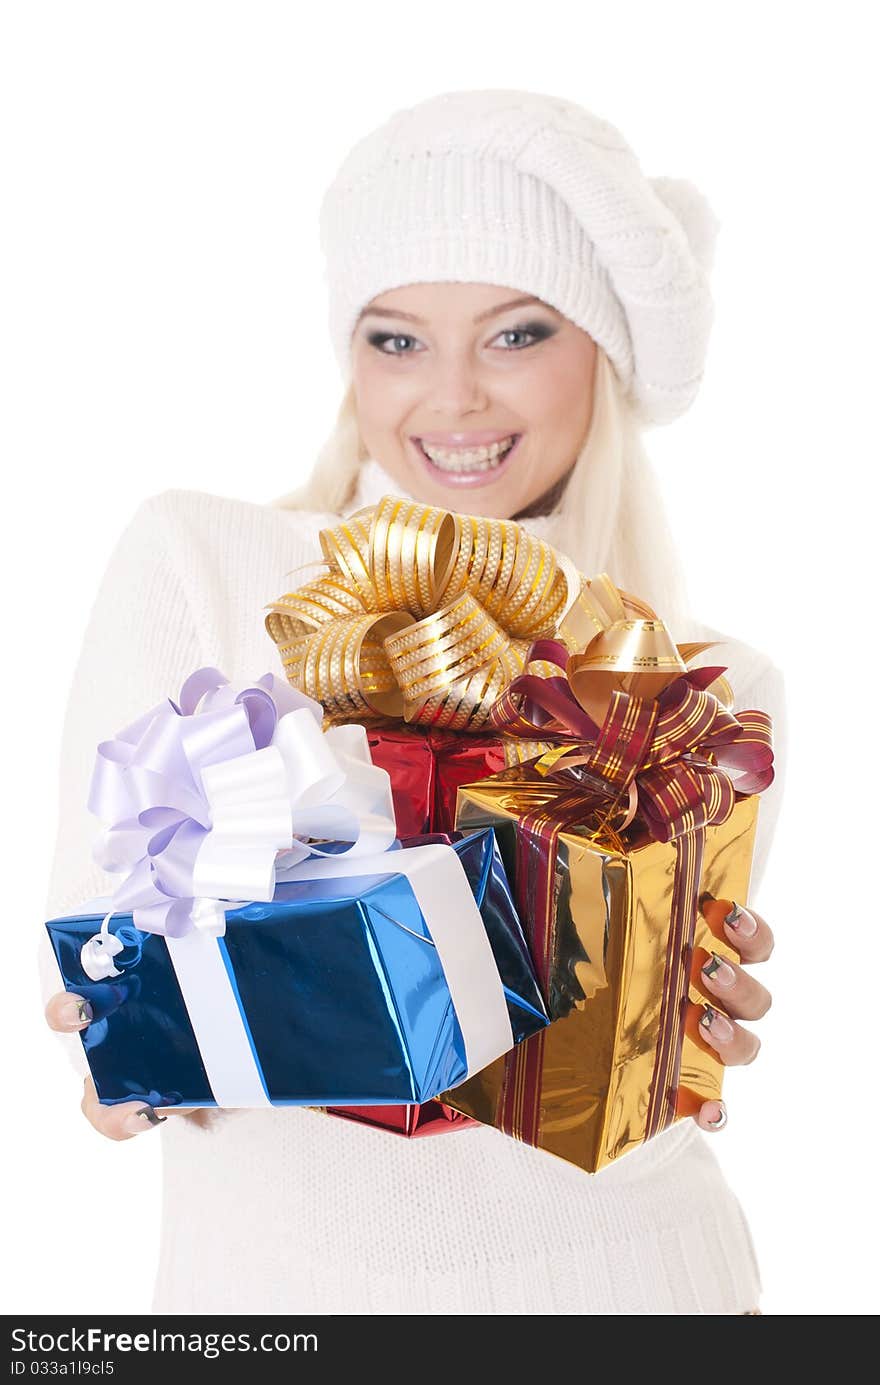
202 798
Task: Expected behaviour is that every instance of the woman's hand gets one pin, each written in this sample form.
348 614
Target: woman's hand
68 1014
737 993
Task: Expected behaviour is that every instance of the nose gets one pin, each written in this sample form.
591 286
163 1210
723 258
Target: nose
456 388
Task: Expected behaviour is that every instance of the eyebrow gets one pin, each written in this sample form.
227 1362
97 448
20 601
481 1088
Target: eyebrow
481 317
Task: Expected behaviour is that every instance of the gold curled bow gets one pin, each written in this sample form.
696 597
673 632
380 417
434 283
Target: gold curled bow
617 643
422 614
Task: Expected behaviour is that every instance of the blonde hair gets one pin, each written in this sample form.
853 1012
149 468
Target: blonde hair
609 518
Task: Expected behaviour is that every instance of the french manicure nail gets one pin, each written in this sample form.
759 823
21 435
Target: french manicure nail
719 972
717 1025
720 1123
138 1121
741 921
76 1012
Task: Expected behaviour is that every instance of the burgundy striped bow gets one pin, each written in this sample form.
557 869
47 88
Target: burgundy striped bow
677 759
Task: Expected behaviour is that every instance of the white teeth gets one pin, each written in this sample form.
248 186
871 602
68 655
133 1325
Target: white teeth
471 459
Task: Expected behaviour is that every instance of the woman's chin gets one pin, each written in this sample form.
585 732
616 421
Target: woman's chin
489 502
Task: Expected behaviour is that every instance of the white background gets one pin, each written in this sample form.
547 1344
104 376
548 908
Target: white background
163 324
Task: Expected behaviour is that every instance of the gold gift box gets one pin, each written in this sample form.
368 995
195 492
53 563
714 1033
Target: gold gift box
588 1088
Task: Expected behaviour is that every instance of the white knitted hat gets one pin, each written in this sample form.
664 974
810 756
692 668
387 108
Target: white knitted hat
532 192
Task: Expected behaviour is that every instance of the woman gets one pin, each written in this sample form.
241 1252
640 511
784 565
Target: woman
512 301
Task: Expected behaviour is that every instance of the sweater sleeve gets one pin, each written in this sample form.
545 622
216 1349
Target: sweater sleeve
140 643
756 682
765 689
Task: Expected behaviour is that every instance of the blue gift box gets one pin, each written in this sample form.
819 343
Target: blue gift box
333 993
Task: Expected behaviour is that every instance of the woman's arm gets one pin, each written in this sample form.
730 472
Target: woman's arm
765 689
140 643
756 682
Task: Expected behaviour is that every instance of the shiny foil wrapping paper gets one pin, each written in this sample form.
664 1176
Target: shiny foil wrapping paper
426 770
413 1122
434 1117
585 1088
338 981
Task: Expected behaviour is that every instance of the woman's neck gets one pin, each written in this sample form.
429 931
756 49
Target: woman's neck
373 482
546 503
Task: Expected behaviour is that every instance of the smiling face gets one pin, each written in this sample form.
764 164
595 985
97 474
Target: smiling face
473 397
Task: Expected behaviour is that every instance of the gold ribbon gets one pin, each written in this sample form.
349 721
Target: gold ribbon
422 614
624 647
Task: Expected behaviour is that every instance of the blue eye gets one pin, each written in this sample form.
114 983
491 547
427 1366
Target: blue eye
378 339
536 330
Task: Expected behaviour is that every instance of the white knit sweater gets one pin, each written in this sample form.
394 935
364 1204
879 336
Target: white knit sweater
292 1211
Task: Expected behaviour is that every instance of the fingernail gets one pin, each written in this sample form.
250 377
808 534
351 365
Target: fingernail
137 1121
741 921
716 1025
720 1123
718 972
76 1012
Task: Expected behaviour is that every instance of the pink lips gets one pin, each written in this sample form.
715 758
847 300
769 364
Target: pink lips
471 478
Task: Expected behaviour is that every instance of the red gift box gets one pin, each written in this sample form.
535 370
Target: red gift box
430 1118
427 768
